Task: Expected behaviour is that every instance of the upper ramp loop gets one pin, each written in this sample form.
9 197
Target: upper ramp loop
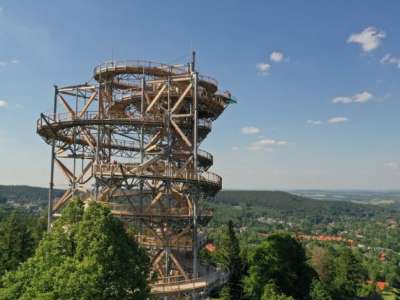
109 70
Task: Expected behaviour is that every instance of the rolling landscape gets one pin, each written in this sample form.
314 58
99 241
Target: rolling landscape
199 150
367 221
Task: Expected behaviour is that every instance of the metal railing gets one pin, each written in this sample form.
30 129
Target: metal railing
136 171
173 284
209 80
144 64
206 155
181 243
128 208
113 116
148 65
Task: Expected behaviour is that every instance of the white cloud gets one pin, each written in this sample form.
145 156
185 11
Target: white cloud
336 120
341 99
389 59
235 148
266 144
369 39
392 165
276 56
4 63
314 122
361 97
250 130
263 68
3 103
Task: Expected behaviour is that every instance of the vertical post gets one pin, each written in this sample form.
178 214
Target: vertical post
141 114
74 141
195 142
192 65
98 137
51 187
143 84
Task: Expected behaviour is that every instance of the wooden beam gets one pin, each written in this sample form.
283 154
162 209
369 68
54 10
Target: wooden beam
85 170
65 197
154 101
180 132
90 100
156 199
178 265
65 170
154 140
181 98
66 105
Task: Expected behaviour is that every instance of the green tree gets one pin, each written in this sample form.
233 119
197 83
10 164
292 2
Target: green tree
368 290
17 242
392 275
319 291
322 260
229 256
270 293
279 259
349 274
87 255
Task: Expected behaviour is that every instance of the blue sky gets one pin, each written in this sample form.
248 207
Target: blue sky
317 81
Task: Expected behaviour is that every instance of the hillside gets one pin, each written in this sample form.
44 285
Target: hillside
294 204
283 202
266 211
282 210
25 196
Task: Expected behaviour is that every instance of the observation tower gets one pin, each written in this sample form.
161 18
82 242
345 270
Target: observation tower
130 140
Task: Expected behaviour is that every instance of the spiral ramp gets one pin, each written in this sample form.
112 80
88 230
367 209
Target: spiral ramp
130 140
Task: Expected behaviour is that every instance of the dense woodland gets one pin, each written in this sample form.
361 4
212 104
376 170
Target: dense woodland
270 242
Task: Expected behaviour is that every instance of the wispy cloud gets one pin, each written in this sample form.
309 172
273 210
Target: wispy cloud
266 144
369 39
263 68
3 103
276 56
394 165
336 120
235 148
314 122
389 59
333 120
250 130
4 63
361 97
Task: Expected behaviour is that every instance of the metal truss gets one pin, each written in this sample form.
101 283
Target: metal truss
130 141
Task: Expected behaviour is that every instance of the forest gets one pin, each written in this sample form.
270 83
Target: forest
275 245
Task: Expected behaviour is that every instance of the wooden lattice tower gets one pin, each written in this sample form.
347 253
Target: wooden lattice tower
130 141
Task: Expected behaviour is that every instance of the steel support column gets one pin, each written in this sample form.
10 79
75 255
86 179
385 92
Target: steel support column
51 187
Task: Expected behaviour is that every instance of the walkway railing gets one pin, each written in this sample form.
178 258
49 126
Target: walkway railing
134 170
94 116
174 284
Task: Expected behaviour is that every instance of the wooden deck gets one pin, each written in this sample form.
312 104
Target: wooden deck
203 283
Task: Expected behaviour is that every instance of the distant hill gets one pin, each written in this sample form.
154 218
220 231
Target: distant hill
258 201
287 202
284 204
23 194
